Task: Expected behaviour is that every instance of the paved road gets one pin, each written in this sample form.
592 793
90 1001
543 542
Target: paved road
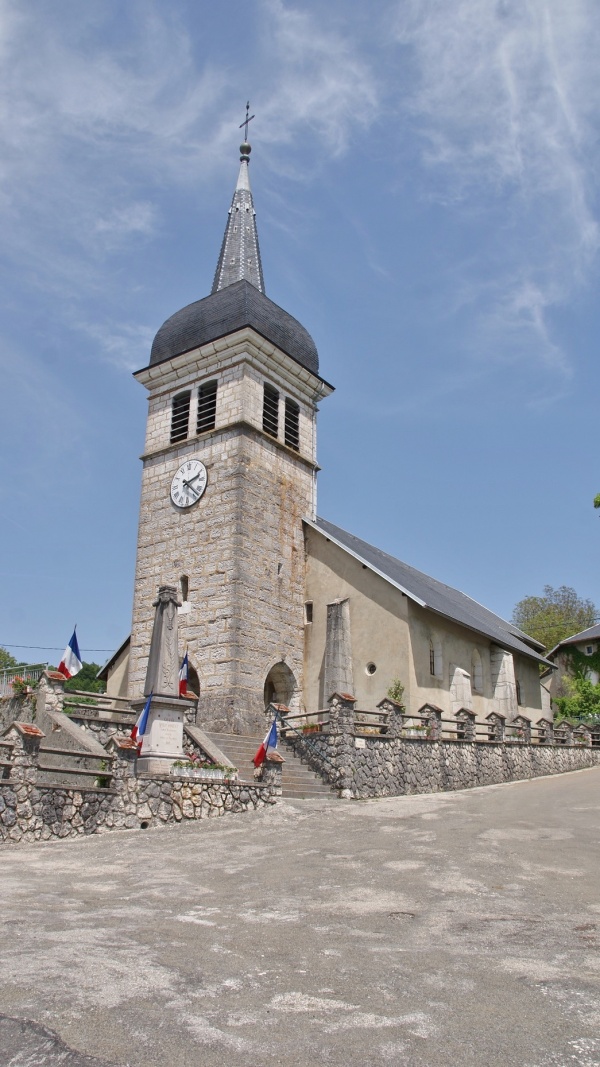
433 931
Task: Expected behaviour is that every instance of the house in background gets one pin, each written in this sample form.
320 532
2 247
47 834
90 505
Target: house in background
586 643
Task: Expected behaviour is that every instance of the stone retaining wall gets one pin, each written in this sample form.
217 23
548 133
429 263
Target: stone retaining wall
390 768
393 765
21 708
101 729
32 812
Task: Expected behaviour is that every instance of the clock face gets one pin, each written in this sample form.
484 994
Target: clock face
188 483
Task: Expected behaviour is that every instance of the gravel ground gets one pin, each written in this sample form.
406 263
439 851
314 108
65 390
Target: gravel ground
459 928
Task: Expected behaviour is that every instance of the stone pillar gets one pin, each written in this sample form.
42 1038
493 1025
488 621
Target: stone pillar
341 731
582 735
50 692
272 768
546 728
431 718
395 716
563 734
523 727
163 739
465 725
338 676
124 751
496 726
17 819
162 675
25 738
503 682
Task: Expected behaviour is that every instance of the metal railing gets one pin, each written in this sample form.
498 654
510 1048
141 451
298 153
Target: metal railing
304 740
28 672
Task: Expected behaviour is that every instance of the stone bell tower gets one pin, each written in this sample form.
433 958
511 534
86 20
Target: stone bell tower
229 471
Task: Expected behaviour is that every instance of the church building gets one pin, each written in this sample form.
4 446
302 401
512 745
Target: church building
277 604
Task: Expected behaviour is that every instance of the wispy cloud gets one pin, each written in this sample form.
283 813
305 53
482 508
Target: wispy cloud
92 129
95 125
124 344
323 81
505 97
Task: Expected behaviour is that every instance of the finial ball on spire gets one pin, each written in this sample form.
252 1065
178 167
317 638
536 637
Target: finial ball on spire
245 150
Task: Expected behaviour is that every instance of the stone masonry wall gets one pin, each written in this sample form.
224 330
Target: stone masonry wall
28 813
393 765
241 545
32 812
406 765
21 708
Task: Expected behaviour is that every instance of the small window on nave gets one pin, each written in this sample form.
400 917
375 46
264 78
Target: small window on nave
292 424
270 410
207 407
436 668
180 416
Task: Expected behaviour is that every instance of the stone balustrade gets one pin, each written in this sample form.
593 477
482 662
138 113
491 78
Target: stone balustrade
393 752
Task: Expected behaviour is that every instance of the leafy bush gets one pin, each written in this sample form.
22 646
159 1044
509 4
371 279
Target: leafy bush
582 701
396 690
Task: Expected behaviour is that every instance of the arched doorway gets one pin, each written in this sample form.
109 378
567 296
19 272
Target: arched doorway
280 686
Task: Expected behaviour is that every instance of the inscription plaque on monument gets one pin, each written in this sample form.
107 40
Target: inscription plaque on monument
165 737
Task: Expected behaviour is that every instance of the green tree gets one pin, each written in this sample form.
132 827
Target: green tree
582 699
6 660
557 614
597 500
86 680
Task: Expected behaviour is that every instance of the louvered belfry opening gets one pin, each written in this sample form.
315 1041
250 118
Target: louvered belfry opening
270 410
292 424
180 416
207 407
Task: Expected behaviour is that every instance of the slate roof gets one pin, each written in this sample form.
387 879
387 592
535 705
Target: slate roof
240 254
226 311
591 634
429 593
238 296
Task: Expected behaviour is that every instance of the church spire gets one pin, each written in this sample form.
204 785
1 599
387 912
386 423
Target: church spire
240 254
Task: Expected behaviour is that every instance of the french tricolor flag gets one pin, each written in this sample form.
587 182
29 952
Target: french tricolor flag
71 662
270 741
137 734
183 676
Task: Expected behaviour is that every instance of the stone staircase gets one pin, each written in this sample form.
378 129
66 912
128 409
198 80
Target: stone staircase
298 781
70 767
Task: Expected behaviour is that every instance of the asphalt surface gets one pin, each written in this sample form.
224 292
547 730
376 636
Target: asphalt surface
454 929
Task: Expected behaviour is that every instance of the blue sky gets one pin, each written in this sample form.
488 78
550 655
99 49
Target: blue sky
425 180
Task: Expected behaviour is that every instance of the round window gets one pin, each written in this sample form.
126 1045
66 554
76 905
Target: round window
371 668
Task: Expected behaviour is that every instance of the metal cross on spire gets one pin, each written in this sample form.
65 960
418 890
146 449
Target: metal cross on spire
246 121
